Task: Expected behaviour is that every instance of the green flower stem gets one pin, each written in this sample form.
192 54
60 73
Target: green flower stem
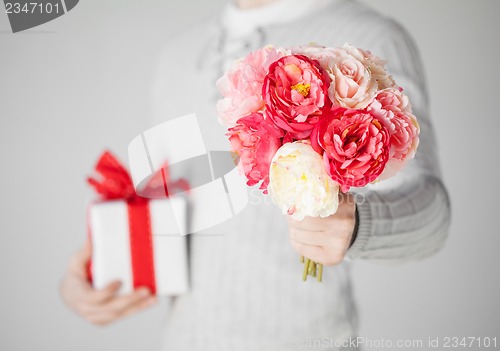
312 266
320 272
306 269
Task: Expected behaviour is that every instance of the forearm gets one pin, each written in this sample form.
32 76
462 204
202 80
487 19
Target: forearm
402 224
407 217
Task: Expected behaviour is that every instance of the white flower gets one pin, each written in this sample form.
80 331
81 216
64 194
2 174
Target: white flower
299 184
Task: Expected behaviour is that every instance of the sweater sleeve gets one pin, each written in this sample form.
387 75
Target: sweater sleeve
406 217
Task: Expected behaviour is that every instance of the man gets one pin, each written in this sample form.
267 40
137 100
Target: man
246 292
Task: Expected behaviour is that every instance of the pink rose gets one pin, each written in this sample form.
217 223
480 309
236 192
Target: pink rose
241 85
315 52
375 65
295 93
354 144
352 83
255 140
392 108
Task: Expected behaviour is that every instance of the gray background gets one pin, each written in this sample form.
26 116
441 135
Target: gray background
78 84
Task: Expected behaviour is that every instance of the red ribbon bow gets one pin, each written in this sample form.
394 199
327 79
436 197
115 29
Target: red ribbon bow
117 183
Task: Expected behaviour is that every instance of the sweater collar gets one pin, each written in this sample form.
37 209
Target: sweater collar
242 22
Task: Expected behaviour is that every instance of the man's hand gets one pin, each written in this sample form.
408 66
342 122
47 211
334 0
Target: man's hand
98 306
325 240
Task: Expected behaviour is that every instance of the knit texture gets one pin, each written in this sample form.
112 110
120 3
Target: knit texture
246 288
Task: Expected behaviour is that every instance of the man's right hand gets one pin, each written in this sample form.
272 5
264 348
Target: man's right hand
102 306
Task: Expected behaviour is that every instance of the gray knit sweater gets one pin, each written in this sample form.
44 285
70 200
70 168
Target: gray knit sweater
246 288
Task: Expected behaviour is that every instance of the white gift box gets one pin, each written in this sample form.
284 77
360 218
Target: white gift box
111 251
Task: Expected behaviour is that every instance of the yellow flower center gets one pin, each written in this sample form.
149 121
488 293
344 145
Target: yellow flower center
377 124
302 88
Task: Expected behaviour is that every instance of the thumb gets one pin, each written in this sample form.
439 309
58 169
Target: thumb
86 251
81 257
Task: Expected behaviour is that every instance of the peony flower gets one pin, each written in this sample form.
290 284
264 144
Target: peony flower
316 52
295 94
255 140
299 184
354 144
241 85
391 99
392 108
375 65
352 83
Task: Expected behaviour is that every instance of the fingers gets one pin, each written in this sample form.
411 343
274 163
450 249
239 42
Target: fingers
323 240
101 306
312 224
140 306
319 254
105 294
107 317
121 303
315 253
86 251
81 257
308 237
121 306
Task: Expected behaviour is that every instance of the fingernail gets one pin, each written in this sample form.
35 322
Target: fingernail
151 300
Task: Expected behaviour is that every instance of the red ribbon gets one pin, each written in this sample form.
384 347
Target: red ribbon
116 183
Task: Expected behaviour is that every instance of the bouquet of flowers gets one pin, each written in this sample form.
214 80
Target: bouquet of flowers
310 121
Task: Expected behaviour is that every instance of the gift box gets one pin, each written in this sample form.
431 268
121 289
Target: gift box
139 241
